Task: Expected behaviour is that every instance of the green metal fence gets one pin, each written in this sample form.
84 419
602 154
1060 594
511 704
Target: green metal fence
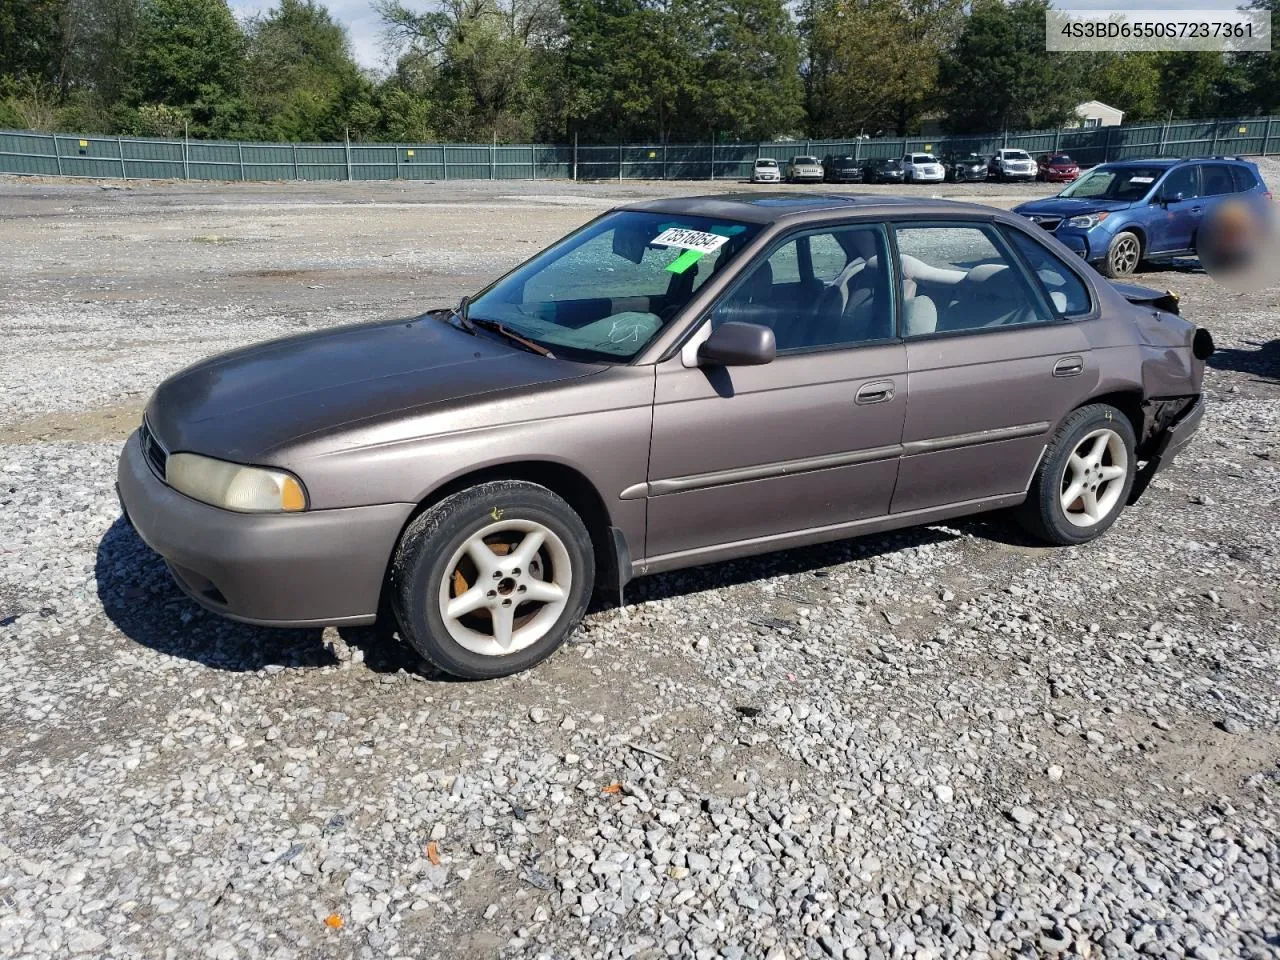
71 155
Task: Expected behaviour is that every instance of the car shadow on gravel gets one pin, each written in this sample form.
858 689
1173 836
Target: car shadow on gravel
1262 362
811 560
140 598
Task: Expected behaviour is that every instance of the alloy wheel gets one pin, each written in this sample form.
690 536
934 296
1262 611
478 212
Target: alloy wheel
1124 255
505 587
1094 478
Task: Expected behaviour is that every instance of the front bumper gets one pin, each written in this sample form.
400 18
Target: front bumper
961 175
1052 177
806 178
1018 174
317 568
1077 241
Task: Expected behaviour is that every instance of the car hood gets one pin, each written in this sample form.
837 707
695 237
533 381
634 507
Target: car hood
243 405
1070 206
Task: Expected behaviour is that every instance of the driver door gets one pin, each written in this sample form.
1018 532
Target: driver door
746 457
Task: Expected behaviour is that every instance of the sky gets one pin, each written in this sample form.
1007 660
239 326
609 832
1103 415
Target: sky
365 32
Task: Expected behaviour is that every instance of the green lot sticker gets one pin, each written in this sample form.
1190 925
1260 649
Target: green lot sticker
683 262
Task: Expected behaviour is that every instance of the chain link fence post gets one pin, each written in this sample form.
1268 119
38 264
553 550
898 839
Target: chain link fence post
57 155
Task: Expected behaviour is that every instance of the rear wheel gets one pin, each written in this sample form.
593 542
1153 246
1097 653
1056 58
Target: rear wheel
1123 255
491 580
1084 478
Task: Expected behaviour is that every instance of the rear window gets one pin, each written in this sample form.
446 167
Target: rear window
1244 178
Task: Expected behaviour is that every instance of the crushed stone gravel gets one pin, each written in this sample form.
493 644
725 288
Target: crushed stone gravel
941 742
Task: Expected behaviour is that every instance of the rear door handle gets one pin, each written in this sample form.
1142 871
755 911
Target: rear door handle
879 391
1069 367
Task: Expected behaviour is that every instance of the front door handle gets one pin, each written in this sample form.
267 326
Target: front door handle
879 391
1069 367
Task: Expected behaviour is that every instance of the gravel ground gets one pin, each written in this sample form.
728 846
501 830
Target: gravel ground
941 742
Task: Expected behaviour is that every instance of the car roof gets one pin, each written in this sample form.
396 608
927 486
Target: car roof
1165 162
773 207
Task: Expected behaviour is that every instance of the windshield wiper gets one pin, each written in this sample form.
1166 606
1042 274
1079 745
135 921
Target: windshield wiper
460 311
496 327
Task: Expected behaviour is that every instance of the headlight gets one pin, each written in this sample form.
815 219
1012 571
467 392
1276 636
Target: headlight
1088 221
232 486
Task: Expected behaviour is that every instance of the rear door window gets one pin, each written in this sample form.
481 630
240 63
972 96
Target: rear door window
1067 293
1217 179
961 277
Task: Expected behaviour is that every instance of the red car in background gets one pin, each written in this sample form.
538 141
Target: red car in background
1056 168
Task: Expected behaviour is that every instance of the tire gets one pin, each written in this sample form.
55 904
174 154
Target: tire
439 561
1124 253
1092 455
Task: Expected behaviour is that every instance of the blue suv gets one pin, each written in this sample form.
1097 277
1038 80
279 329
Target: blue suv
1119 214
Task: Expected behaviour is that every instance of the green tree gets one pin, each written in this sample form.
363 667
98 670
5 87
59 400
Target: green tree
190 57
32 42
751 86
874 63
680 69
999 77
1127 81
1261 71
301 81
482 57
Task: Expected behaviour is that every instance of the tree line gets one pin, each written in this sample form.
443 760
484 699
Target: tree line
600 70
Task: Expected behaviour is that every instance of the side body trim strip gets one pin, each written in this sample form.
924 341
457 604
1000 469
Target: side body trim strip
783 468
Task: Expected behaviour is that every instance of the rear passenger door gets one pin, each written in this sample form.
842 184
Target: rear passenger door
994 361
1179 212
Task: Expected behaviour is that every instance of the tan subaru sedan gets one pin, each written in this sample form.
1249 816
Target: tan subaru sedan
678 382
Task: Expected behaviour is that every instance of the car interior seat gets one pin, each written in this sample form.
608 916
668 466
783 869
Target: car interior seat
750 302
989 296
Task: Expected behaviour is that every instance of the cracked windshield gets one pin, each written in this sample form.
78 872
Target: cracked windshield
604 292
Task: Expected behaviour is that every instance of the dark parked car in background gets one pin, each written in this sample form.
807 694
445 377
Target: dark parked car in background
888 170
842 170
678 382
1056 168
963 167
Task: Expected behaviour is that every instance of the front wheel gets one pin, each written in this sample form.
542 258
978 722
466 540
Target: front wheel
1123 255
491 580
1084 478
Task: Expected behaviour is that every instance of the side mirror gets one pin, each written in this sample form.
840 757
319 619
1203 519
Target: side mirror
1167 198
735 344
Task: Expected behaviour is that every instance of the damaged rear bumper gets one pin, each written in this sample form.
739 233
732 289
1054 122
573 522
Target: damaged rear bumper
1167 445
